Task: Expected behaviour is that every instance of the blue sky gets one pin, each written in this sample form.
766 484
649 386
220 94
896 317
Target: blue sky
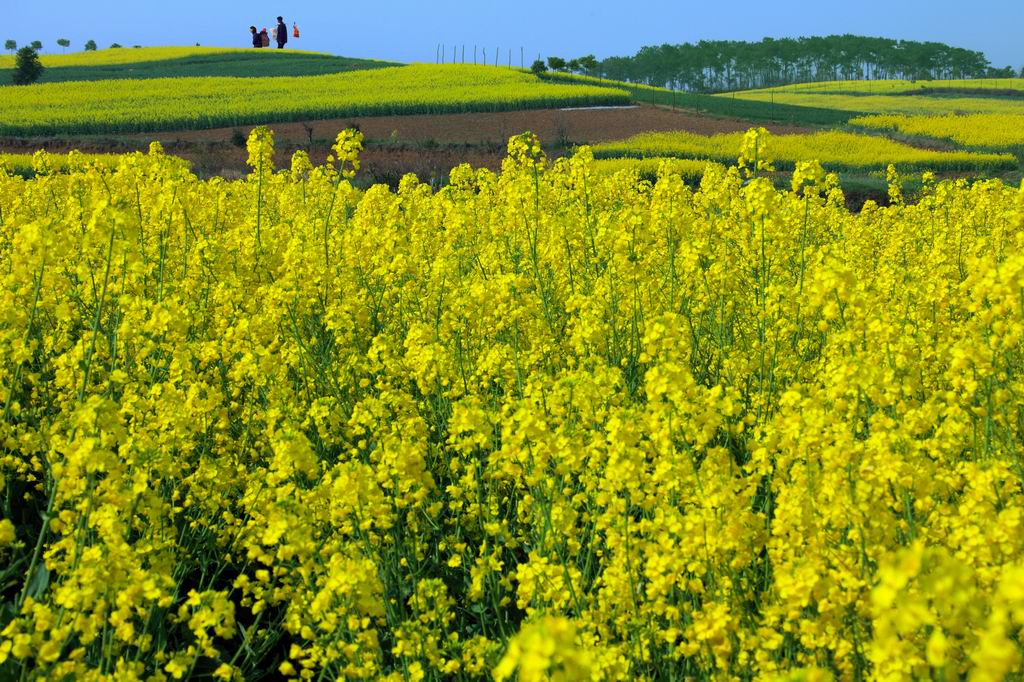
410 30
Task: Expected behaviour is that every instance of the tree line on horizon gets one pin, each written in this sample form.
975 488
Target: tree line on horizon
721 65
90 45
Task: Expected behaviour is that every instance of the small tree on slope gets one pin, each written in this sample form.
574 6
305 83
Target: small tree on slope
27 67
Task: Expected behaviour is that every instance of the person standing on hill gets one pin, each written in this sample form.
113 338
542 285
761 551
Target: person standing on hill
256 40
282 33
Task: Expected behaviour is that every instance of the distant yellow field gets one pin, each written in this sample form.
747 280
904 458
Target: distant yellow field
46 162
834 149
888 87
977 130
23 162
176 103
686 168
888 104
131 55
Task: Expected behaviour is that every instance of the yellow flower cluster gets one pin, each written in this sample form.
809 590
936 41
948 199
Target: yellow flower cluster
44 162
550 423
175 103
975 130
651 167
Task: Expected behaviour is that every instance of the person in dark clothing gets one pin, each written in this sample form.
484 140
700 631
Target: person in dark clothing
256 40
282 33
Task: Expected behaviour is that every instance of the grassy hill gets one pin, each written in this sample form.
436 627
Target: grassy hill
183 62
750 109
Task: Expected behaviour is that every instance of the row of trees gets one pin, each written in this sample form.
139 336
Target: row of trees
37 45
585 65
718 65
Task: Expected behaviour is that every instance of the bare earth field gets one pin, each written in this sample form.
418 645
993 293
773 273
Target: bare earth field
428 145
577 126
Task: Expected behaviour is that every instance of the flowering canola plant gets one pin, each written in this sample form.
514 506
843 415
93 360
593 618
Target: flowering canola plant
550 423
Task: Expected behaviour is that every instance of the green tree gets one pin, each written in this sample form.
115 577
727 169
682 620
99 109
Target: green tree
114 46
90 45
64 44
538 67
37 45
10 45
27 67
556 63
588 63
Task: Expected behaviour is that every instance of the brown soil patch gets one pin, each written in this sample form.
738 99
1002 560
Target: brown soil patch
377 164
566 126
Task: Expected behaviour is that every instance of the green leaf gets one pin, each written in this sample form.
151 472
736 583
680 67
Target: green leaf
40 581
